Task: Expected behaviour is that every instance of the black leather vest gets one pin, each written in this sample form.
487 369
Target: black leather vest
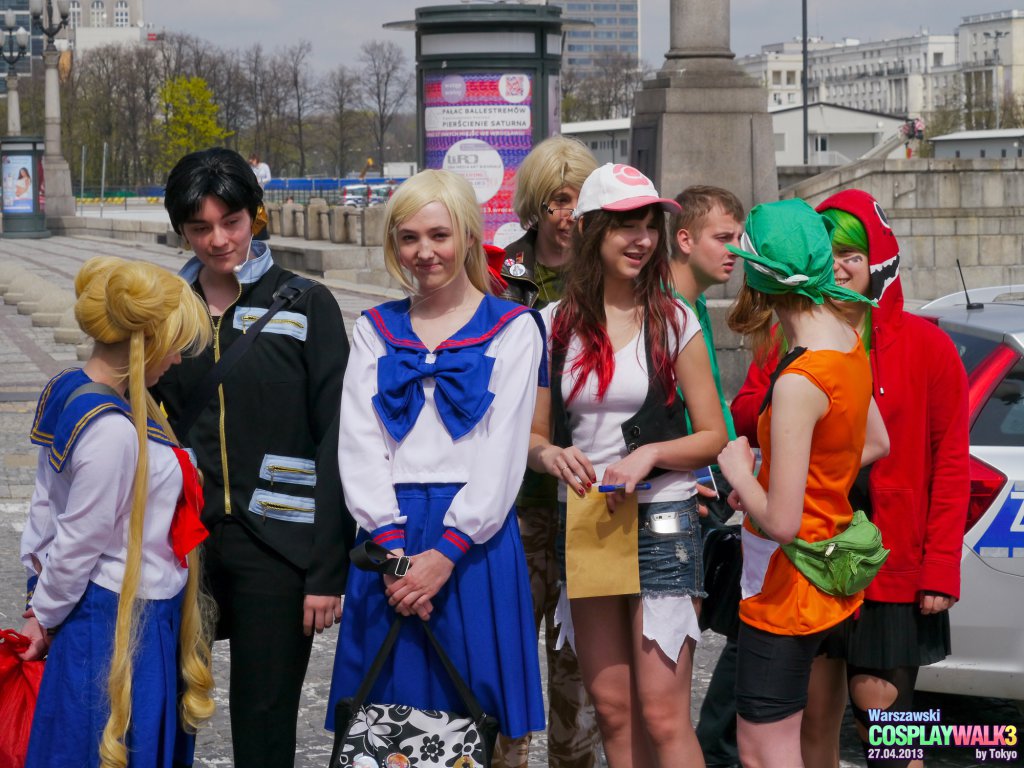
655 422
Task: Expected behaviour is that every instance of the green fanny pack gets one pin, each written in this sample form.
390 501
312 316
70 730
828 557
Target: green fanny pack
844 564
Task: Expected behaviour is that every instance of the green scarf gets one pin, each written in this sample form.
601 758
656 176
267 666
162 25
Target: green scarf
787 248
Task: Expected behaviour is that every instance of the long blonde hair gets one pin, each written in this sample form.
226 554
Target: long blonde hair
157 314
457 196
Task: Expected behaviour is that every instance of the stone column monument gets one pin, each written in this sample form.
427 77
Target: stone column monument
702 120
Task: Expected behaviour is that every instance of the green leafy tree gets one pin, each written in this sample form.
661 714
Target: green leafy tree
189 120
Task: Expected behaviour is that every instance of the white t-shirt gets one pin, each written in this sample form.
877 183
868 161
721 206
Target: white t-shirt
596 425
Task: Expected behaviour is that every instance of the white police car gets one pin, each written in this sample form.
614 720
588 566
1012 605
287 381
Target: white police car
988 623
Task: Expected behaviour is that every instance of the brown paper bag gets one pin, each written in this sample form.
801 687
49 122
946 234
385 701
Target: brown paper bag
601 549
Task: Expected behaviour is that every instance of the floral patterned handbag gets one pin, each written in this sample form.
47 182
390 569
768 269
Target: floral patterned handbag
398 736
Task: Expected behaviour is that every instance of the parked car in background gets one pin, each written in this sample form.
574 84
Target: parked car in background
357 195
987 624
381 193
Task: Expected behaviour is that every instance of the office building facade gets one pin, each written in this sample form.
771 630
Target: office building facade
614 36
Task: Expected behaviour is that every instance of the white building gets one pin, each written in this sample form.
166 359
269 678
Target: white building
778 68
837 135
997 144
897 77
607 140
95 23
992 57
614 33
906 76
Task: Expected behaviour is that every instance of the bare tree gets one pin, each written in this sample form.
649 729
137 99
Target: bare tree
228 79
295 67
605 93
385 83
339 101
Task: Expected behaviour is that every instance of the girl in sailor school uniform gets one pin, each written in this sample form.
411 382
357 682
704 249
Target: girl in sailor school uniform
620 347
435 420
113 518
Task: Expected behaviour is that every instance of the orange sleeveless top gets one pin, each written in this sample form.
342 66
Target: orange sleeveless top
777 597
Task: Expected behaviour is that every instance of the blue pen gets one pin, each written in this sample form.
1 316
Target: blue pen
622 486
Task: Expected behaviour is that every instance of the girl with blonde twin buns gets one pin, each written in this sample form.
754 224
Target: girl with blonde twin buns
114 592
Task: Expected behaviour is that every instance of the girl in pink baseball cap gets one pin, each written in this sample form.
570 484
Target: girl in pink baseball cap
622 351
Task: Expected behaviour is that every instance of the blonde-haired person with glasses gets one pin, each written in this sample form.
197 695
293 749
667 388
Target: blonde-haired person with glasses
113 522
547 186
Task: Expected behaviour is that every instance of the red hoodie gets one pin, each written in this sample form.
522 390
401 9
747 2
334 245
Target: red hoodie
920 491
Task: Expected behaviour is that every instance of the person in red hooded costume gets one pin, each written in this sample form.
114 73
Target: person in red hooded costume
917 496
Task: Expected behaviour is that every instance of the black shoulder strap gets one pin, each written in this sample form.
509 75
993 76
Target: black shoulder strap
784 363
560 434
284 296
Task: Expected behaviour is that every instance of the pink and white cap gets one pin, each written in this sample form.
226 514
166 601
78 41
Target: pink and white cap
618 187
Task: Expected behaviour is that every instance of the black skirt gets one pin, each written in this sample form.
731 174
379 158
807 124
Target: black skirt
891 635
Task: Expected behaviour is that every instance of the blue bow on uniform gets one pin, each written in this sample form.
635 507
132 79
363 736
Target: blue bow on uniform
460 392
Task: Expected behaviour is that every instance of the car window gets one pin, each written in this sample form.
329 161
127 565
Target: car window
972 349
1001 420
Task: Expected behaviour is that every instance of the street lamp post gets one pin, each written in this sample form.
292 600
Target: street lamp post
49 17
13 47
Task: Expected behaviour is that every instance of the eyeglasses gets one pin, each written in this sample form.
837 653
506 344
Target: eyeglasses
561 213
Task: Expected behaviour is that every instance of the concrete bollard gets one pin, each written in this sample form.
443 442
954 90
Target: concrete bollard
373 225
274 217
8 271
337 224
51 306
288 223
26 287
314 219
67 330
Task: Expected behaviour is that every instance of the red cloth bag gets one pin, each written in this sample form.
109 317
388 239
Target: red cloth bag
19 686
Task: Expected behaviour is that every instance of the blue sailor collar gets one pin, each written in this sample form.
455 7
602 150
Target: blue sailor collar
255 267
461 392
58 426
391 321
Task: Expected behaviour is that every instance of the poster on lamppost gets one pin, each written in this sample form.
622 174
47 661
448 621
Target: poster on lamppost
17 183
480 125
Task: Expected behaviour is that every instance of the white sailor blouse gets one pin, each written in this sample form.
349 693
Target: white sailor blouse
78 517
458 414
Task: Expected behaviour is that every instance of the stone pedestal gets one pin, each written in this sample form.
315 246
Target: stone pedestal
702 120
60 197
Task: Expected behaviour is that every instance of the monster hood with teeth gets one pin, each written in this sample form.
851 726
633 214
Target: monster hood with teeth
883 250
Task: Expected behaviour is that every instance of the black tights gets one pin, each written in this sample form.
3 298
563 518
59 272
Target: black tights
901 678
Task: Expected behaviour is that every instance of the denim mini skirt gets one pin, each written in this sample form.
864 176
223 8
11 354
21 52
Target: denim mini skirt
670 550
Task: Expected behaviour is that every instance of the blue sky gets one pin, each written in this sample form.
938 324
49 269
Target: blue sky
337 28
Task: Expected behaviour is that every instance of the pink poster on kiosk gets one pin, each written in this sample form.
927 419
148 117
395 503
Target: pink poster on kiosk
480 125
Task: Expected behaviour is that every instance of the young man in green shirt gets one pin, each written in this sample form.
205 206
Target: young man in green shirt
711 218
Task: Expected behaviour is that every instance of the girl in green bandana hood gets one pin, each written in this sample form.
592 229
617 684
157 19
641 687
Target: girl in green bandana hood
816 429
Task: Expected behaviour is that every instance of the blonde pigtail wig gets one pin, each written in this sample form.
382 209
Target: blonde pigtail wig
158 314
113 752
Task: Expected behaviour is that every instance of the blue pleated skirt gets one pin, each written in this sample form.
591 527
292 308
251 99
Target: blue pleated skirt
483 618
73 707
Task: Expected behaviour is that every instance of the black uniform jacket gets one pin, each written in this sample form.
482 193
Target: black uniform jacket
267 441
